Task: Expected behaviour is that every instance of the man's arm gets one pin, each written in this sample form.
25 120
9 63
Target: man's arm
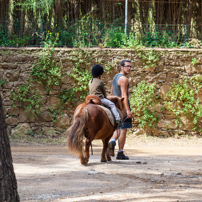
123 83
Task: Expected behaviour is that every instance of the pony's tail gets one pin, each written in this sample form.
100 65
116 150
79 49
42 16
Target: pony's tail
76 132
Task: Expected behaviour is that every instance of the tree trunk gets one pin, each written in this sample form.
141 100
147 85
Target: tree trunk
4 15
19 19
8 183
4 8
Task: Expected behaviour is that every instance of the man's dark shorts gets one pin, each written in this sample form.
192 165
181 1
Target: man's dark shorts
127 124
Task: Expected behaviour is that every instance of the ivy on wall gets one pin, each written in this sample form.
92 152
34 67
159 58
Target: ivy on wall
27 98
143 98
183 100
150 58
48 71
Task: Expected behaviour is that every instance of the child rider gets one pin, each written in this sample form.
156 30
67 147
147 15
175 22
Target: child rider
96 87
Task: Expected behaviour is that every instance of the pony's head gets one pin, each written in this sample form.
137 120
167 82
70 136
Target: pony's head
118 101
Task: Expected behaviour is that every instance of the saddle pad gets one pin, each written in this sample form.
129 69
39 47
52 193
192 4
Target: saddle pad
109 114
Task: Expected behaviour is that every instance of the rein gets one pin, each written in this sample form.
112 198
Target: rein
91 146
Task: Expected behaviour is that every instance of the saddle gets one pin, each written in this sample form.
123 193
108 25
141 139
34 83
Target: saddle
93 99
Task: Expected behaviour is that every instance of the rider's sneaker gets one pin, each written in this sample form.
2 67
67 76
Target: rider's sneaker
111 146
121 156
119 123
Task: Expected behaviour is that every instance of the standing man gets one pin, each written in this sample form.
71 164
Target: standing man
120 86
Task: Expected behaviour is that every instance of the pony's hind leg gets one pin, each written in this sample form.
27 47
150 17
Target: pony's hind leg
104 156
84 159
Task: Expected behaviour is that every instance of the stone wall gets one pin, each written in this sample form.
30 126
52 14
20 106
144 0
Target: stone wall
16 64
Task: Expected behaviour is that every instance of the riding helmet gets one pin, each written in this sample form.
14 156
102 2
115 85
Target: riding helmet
97 70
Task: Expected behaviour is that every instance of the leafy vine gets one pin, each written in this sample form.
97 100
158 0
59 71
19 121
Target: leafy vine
48 69
149 57
183 100
28 98
142 99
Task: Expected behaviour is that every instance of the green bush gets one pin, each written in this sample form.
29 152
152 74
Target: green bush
143 98
183 100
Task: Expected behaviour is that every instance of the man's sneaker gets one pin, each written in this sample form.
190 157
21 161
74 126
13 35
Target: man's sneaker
111 146
121 156
119 123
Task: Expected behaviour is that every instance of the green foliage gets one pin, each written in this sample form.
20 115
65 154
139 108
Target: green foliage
48 69
67 96
88 32
108 67
82 78
28 98
194 61
15 40
114 38
18 41
131 41
150 58
3 36
2 82
159 39
183 100
54 111
66 37
143 99
42 7
78 91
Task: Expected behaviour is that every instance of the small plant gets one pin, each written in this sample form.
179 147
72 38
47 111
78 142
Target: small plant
82 77
142 99
28 98
67 96
149 57
194 61
108 67
2 82
54 111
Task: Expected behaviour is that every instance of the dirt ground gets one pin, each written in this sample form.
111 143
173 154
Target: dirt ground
158 170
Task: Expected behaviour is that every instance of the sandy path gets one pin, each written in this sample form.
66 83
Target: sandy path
157 171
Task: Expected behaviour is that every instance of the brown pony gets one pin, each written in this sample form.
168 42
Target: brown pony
91 121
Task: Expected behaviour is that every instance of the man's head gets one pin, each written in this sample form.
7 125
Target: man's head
125 67
97 70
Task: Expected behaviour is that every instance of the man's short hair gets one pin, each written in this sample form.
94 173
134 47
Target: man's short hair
124 61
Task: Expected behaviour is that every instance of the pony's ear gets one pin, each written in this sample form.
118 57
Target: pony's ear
122 99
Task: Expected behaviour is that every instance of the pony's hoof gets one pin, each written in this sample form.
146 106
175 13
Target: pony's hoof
109 159
103 160
84 161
